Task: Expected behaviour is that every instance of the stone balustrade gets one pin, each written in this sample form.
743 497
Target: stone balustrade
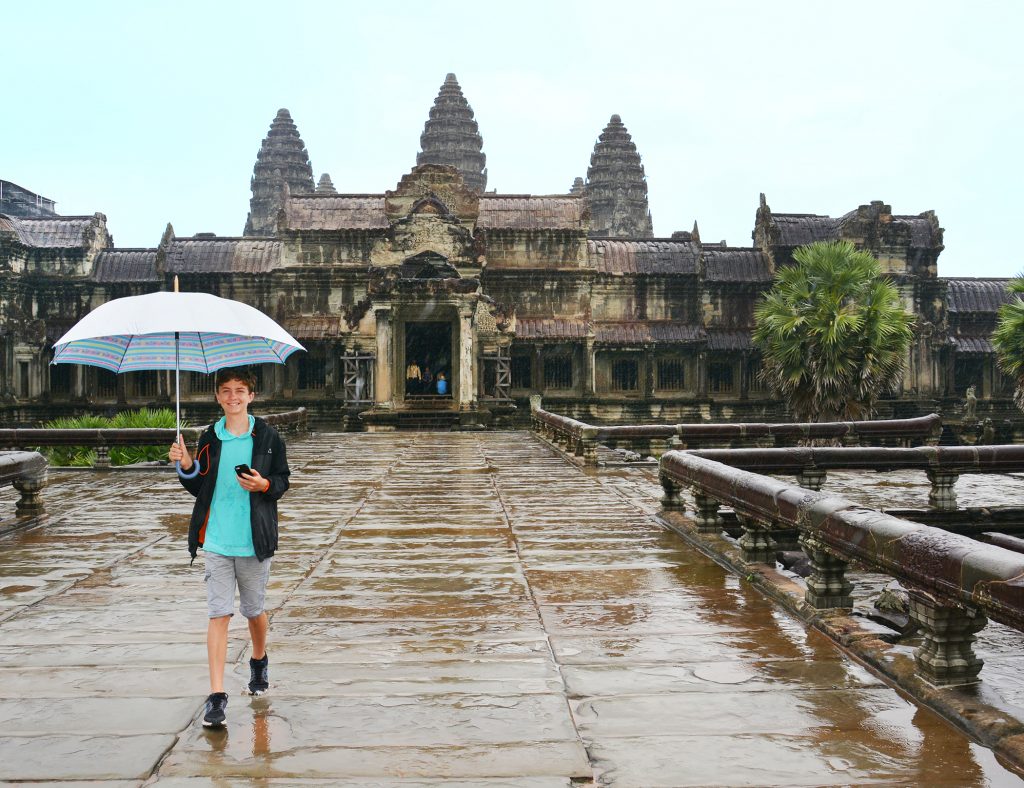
103 438
26 472
583 439
943 464
955 583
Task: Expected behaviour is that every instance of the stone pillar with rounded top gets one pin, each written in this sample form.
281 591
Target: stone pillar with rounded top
382 374
671 498
946 657
827 586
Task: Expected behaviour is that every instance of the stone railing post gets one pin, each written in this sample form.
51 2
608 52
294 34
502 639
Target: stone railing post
671 498
707 518
942 495
812 479
31 502
588 446
827 587
946 656
103 457
756 543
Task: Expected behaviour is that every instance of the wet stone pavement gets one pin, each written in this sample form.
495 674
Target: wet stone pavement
447 609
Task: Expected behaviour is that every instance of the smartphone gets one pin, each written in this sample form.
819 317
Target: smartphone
243 468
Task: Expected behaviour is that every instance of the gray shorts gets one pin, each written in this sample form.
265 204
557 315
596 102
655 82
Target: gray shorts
224 572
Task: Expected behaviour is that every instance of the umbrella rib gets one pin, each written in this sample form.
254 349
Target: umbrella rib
202 349
131 338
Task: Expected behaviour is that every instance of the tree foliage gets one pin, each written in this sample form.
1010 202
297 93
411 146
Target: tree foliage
832 333
1008 338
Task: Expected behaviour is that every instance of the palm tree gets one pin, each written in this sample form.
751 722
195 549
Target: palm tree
1008 338
832 333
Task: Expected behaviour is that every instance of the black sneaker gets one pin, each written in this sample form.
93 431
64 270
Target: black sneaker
259 678
216 706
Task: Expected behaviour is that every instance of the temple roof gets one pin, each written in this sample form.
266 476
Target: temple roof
51 232
313 326
643 257
551 328
222 255
798 229
736 265
730 340
125 265
646 332
527 212
976 295
336 212
973 345
451 136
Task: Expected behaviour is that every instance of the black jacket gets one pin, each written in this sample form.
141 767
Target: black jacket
269 458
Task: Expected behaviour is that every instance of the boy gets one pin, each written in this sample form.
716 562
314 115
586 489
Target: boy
235 522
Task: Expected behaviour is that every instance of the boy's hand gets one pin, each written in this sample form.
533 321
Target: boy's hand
178 453
253 482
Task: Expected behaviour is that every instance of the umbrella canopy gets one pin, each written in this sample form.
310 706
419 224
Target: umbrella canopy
198 332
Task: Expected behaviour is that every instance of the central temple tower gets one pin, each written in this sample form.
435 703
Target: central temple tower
451 136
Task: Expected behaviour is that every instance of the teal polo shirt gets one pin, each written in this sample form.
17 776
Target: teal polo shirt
229 530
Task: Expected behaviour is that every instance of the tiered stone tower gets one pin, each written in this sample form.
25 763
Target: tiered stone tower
617 187
578 187
325 185
451 136
282 161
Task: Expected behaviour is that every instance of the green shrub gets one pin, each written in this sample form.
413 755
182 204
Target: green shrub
119 455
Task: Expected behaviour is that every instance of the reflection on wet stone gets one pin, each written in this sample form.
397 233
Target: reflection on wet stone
447 609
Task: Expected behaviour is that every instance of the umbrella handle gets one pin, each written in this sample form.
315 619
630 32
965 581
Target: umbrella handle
192 475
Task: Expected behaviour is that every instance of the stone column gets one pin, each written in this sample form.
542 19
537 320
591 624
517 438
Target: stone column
467 361
756 544
382 373
946 656
331 370
827 587
537 379
942 496
647 382
588 369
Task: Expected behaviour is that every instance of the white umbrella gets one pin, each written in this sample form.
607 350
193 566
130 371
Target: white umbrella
197 332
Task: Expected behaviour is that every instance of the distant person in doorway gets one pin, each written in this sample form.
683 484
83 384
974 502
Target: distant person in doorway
239 473
413 378
442 384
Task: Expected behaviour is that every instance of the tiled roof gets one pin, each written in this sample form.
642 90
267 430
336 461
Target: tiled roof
797 229
551 328
976 295
125 265
970 345
643 257
313 326
336 212
641 333
730 340
223 255
920 230
526 212
736 265
52 232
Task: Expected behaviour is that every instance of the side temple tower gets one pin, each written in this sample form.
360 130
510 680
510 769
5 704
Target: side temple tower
617 187
282 161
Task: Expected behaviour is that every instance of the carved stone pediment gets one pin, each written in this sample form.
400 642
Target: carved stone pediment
433 188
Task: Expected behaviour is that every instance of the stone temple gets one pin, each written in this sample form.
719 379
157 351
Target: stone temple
504 295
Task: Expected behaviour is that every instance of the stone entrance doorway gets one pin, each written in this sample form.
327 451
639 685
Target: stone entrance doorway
427 366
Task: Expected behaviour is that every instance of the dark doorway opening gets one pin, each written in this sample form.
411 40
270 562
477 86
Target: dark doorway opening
428 363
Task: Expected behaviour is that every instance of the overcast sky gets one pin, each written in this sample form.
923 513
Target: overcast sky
154 112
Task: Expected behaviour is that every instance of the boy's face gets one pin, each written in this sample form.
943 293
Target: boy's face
234 397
